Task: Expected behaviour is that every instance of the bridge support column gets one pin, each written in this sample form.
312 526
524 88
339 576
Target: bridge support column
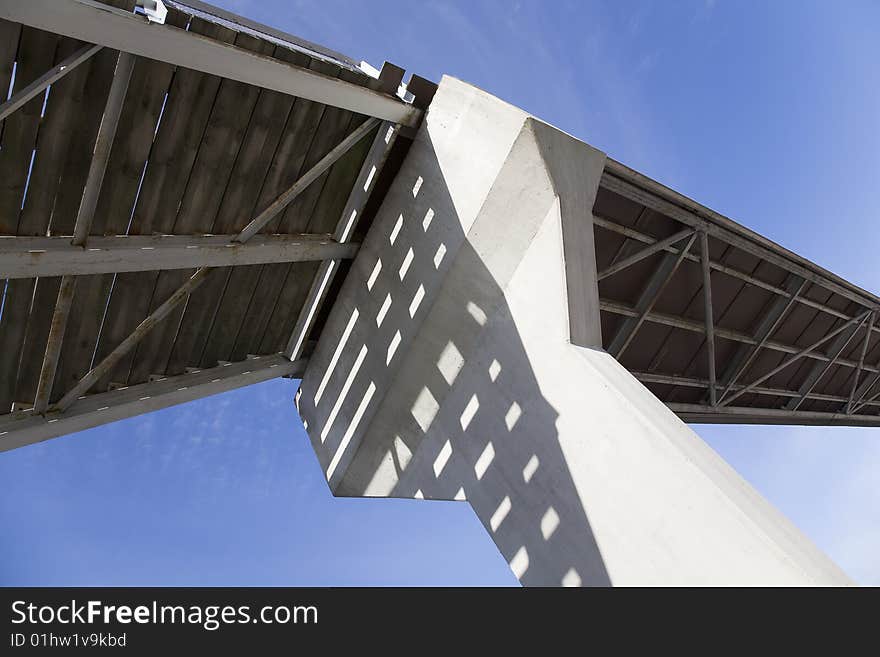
463 361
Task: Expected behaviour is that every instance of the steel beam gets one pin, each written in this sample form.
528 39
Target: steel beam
27 428
354 207
696 414
638 221
864 389
608 224
641 189
769 323
857 373
690 382
644 253
51 76
870 401
97 23
819 370
708 316
618 308
37 257
796 357
659 280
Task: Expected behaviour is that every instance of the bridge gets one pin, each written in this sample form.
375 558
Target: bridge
480 307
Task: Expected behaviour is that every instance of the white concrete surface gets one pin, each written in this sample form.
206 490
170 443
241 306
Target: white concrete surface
457 364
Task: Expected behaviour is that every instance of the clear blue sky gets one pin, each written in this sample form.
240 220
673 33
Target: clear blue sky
768 112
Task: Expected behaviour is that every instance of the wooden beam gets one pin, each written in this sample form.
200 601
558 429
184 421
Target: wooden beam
258 222
199 277
27 428
99 370
51 76
354 206
37 257
98 23
85 214
104 142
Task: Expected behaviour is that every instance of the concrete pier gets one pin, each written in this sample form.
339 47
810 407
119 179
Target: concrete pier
462 360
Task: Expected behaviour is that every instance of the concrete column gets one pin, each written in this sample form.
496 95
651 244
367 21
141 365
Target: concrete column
463 361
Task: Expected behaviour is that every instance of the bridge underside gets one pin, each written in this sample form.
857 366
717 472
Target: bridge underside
480 307
174 209
473 354
723 325
193 199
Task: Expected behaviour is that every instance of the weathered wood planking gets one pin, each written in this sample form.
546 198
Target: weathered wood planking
35 54
297 277
246 303
325 217
321 210
53 142
341 177
245 191
334 128
239 329
191 98
206 194
215 338
286 309
9 36
303 125
90 296
36 298
223 151
64 200
150 82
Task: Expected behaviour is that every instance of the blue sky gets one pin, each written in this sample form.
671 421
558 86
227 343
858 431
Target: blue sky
766 112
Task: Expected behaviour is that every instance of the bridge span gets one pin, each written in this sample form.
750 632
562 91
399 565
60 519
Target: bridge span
480 306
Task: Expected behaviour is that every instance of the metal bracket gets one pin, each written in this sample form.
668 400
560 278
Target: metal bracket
155 10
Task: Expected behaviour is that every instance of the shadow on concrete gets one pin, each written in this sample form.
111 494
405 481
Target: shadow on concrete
421 386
